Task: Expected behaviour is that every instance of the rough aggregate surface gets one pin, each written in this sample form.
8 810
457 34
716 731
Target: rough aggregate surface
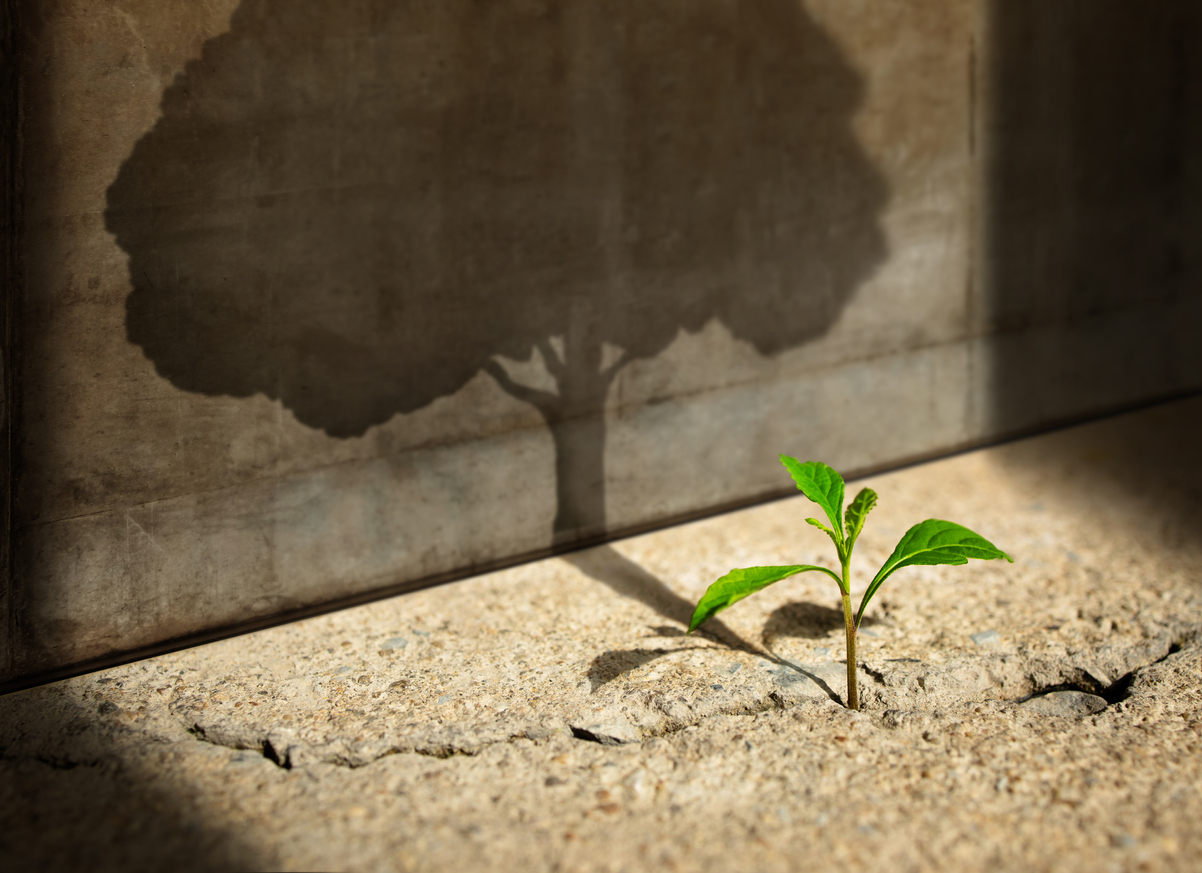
1045 715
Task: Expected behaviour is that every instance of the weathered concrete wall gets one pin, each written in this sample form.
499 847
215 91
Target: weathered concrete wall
322 299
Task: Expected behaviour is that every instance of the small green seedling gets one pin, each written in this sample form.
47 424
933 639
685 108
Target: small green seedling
928 542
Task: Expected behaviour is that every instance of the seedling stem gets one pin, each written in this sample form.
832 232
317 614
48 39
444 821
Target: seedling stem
853 691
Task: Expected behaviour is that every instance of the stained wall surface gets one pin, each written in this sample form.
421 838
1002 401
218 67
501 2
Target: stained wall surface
319 299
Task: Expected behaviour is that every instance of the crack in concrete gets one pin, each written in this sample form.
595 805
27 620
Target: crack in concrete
1071 676
1112 692
878 676
57 762
54 762
288 757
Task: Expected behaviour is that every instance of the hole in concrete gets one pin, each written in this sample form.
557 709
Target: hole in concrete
609 734
1116 691
270 753
1084 687
587 736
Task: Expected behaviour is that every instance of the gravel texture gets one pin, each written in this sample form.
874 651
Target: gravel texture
1044 715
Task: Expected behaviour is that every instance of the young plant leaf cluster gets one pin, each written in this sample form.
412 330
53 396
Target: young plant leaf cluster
928 542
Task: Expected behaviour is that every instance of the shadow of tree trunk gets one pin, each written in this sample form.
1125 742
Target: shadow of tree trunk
610 567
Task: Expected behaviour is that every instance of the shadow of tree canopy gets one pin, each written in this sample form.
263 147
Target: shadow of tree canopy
356 208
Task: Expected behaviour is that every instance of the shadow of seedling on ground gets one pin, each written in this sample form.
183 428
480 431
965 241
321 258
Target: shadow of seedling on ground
807 621
610 567
663 630
612 665
789 673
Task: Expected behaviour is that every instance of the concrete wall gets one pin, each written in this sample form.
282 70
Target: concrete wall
318 300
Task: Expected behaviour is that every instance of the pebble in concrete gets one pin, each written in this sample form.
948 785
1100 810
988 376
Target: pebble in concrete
1066 703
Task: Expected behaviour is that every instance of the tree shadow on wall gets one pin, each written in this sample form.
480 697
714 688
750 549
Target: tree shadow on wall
357 208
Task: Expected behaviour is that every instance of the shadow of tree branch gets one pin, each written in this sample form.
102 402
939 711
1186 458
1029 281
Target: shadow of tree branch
610 567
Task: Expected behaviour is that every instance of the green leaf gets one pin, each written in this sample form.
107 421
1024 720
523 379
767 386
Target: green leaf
824 486
737 584
932 542
830 533
856 513
819 525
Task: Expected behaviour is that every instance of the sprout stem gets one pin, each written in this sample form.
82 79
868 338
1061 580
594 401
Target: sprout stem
853 693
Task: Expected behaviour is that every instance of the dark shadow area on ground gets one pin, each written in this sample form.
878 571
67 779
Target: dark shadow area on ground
610 567
74 796
806 620
614 664
607 565
1144 467
624 576
789 673
664 630
356 209
1092 249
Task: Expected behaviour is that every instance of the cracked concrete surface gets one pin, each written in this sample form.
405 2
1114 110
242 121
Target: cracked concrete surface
1036 716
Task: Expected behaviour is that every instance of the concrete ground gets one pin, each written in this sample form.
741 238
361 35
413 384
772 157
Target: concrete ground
554 716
